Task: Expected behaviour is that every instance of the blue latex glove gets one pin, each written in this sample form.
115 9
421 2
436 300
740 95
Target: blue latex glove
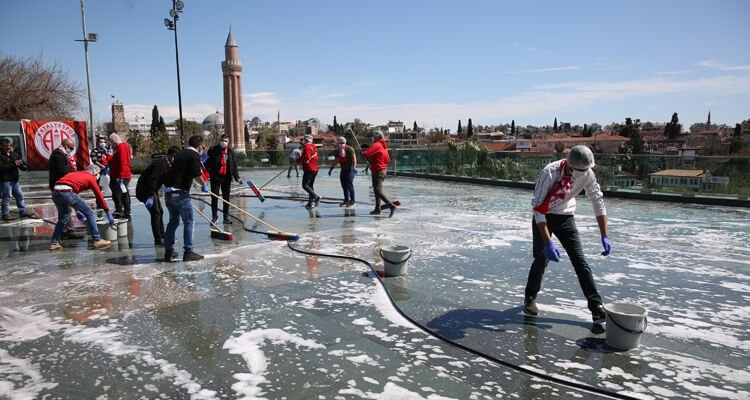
110 219
240 181
149 202
80 216
204 157
204 189
105 171
552 252
119 181
355 171
607 246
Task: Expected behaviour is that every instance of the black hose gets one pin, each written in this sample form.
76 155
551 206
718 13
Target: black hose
495 360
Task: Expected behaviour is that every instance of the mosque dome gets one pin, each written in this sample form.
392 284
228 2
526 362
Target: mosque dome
215 119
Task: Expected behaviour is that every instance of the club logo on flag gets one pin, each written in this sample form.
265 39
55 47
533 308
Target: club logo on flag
49 136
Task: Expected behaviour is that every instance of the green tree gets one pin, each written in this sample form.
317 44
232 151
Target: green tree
513 127
416 128
632 131
136 141
586 132
673 128
735 143
559 147
154 120
460 131
469 130
554 127
359 129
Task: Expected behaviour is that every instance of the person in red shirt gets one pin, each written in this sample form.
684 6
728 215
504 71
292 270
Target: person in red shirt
309 162
379 160
119 173
65 195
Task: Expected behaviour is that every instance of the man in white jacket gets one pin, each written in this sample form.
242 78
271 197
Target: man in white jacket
554 204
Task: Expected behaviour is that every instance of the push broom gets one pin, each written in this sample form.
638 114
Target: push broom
275 234
216 232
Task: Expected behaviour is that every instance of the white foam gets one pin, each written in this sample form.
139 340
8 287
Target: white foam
15 369
248 346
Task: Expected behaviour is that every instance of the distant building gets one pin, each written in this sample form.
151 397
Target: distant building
685 179
231 68
214 123
118 121
395 127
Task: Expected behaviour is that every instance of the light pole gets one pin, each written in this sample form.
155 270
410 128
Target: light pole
91 37
171 24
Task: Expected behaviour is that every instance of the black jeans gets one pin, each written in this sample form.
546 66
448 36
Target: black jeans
225 184
564 228
121 199
377 188
157 222
308 182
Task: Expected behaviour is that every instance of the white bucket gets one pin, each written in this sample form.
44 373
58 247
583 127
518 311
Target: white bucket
625 324
122 227
107 231
395 259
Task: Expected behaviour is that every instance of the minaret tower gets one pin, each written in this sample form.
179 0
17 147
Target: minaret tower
232 69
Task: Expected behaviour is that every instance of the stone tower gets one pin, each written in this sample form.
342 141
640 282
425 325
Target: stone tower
118 120
232 69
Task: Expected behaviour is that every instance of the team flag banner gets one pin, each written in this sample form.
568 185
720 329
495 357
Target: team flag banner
43 137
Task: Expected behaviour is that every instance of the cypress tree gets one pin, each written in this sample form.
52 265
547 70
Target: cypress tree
469 129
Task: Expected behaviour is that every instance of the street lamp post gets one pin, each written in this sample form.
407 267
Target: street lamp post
171 24
91 37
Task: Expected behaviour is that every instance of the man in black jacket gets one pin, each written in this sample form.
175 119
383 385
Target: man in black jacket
10 163
147 190
186 168
222 168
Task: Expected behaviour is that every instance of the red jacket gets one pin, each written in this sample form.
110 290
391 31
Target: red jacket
378 156
309 158
82 180
119 165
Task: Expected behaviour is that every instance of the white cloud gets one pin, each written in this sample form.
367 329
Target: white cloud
550 69
713 64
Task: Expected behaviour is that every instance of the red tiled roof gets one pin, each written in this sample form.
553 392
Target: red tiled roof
500 146
679 172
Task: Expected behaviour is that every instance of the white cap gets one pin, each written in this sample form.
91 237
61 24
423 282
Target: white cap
581 157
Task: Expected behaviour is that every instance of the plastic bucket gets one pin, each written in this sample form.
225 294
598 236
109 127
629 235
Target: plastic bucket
395 259
107 231
122 227
625 325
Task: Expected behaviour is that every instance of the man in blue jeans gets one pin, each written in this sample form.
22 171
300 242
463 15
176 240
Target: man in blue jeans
65 195
10 163
186 168
554 204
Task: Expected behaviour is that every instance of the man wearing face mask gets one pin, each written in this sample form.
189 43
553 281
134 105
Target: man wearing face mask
346 157
147 190
222 169
553 205
120 174
100 157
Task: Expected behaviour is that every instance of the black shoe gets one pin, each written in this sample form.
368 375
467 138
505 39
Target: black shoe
393 210
375 212
227 221
530 308
170 256
29 214
309 205
191 256
116 214
317 201
599 315
344 204
214 219
8 217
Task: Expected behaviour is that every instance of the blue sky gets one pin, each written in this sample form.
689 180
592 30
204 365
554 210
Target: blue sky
430 61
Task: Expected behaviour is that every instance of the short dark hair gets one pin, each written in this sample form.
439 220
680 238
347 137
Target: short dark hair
195 141
224 136
173 150
5 140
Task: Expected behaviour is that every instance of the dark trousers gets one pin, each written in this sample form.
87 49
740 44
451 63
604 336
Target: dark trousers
157 222
292 164
121 199
223 183
308 183
377 187
564 228
347 183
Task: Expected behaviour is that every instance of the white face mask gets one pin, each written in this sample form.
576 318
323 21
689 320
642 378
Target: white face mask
578 174
223 144
341 145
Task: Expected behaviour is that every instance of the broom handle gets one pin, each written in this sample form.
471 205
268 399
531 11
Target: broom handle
244 212
206 217
272 179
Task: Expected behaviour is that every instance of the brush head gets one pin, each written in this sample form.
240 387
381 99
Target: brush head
221 235
276 235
